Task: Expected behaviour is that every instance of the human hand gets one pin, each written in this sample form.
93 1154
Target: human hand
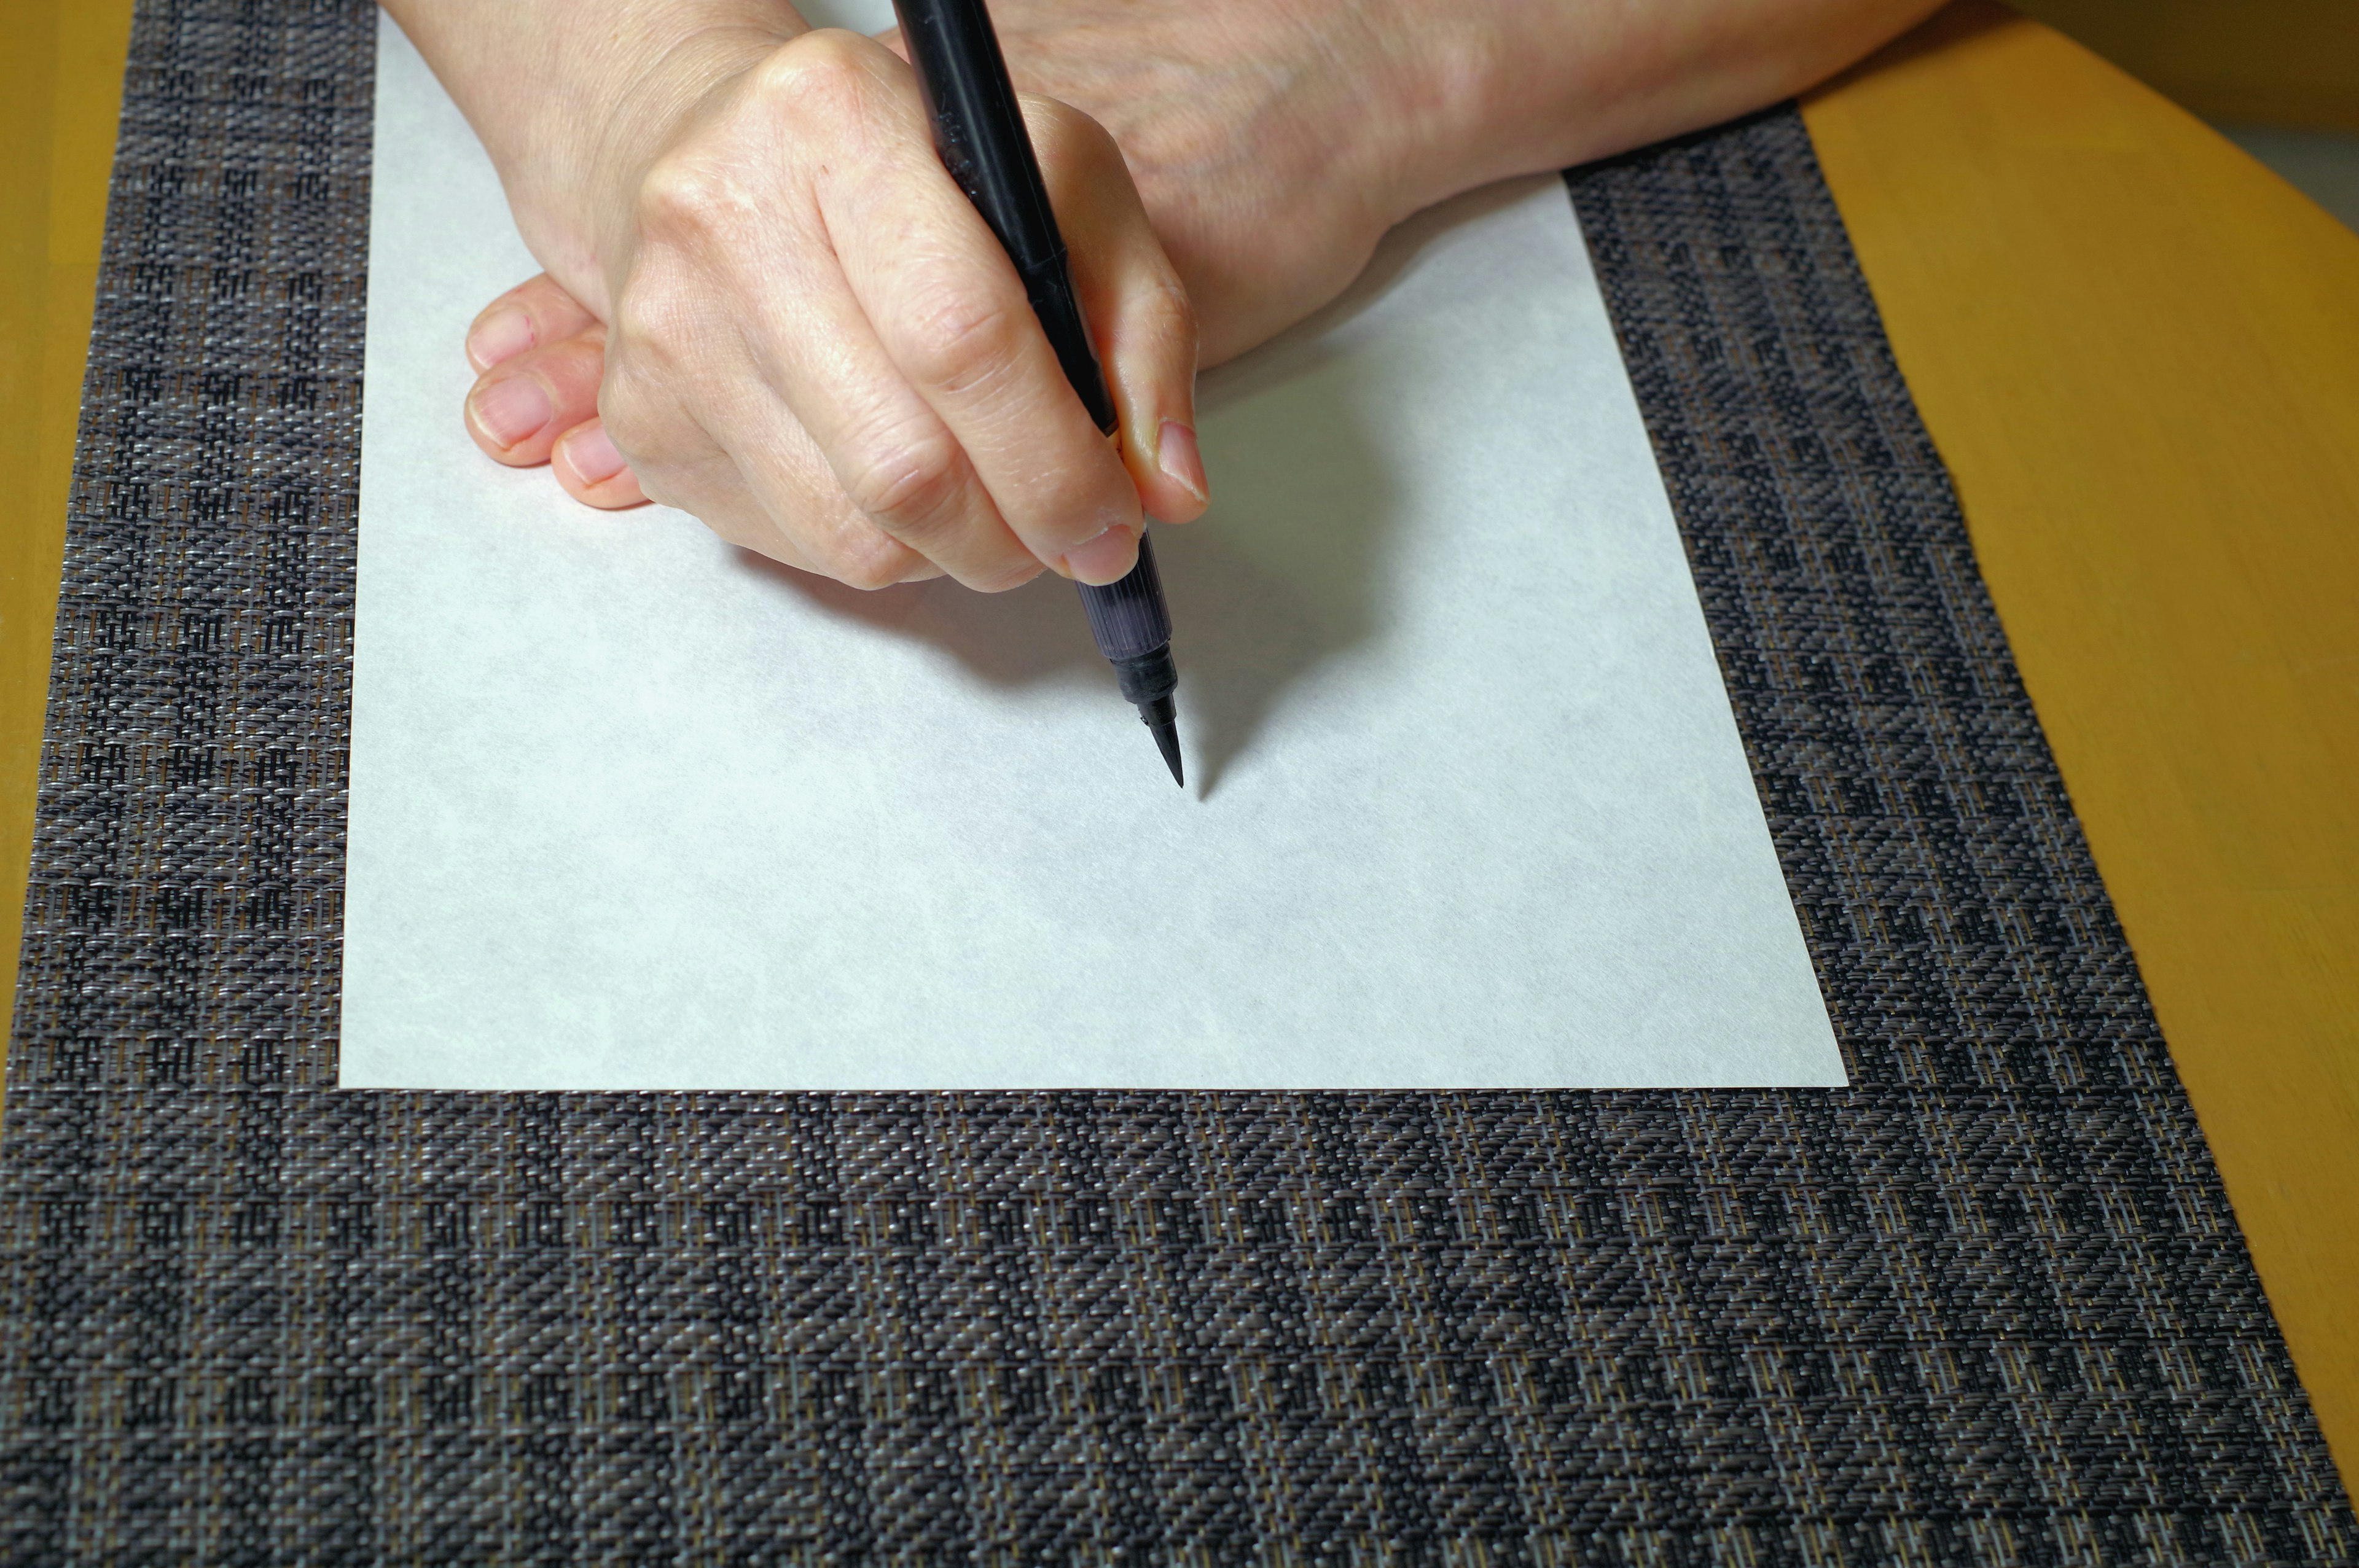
1272 143
816 345
1236 158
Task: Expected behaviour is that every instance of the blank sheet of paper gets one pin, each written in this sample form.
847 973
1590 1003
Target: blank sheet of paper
1467 806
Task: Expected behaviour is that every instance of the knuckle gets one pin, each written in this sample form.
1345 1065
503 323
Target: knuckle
815 77
657 488
868 560
623 402
654 329
683 197
646 429
634 336
964 338
633 434
638 320
907 484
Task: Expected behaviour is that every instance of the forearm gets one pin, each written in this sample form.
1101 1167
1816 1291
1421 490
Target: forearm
1403 102
767 305
570 99
1519 86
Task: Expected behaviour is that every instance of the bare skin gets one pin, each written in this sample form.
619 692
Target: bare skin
765 302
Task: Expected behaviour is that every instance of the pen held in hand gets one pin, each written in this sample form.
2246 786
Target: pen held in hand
979 133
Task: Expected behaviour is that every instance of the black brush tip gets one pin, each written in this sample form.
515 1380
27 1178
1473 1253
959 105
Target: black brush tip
1161 718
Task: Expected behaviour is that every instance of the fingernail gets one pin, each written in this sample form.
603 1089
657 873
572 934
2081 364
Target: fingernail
1105 559
592 455
1176 455
502 335
510 410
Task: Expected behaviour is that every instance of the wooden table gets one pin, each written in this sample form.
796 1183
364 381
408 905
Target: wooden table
2138 352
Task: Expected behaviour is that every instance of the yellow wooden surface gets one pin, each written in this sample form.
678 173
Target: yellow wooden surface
2289 62
2138 352
60 82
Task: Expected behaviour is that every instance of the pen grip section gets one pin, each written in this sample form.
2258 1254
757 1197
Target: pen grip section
1128 618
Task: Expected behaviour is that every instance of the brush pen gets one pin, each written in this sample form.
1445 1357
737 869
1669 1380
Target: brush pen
979 130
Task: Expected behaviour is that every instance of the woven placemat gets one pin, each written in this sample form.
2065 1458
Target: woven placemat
1988 1305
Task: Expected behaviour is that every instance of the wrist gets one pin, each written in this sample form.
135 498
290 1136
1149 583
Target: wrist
572 115
1450 81
1522 88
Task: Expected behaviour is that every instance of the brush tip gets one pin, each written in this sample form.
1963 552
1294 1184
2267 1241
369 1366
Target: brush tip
1166 740
1161 717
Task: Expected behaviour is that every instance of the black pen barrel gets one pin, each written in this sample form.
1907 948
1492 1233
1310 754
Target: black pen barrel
979 130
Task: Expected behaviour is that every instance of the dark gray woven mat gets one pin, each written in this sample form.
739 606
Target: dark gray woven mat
1989 1306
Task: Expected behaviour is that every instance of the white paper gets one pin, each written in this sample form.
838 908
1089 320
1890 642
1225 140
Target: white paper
633 810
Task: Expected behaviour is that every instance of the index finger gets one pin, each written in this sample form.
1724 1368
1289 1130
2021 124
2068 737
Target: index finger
955 317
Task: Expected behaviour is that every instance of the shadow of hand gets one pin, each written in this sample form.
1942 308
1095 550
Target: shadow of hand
1285 573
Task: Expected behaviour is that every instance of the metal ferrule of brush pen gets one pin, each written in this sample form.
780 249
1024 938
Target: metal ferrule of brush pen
979 130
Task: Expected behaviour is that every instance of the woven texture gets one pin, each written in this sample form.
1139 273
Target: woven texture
1987 1306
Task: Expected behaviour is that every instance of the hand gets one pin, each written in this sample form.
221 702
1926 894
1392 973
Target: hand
816 345
1271 142
1234 151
